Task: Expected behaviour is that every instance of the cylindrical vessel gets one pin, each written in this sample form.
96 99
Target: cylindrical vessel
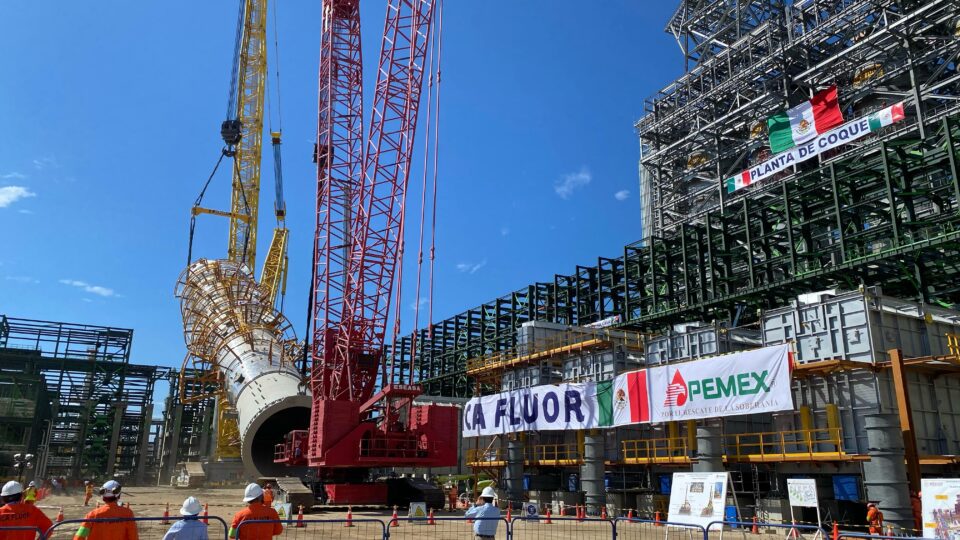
231 326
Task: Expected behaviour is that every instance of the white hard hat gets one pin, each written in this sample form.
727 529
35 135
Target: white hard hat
488 492
11 488
252 492
32 484
110 489
191 507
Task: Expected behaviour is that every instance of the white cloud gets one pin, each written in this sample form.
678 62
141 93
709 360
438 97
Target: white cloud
572 181
621 195
12 194
13 175
45 162
471 268
420 303
22 279
92 289
504 231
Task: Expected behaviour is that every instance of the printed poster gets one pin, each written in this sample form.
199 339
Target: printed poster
940 505
802 492
697 498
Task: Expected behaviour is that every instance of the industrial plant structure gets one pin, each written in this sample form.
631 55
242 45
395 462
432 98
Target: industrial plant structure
847 256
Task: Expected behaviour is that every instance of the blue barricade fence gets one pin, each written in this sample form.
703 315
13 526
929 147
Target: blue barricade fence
148 528
18 532
530 528
643 529
306 529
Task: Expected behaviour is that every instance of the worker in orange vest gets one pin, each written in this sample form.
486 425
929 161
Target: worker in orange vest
874 518
16 513
267 494
452 497
917 507
87 492
255 511
115 530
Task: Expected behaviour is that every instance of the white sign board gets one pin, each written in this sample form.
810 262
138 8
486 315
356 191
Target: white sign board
418 511
284 510
748 382
802 492
562 407
697 498
530 510
941 507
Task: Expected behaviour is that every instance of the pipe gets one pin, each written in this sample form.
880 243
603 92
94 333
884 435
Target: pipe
231 326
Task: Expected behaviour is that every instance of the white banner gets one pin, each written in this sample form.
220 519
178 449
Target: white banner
743 383
697 498
844 134
539 408
802 492
940 506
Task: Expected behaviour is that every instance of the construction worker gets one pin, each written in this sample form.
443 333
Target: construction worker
112 530
452 496
255 510
30 494
267 494
189 527
917 508
15 513
874 518
87 492
485 515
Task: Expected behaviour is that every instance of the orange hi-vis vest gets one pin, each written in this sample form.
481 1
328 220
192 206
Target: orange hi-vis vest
117 530
23 515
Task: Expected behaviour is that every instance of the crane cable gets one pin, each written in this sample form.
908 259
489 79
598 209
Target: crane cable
436 152
193 216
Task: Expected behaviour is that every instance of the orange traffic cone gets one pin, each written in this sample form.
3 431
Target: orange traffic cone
430 520
394 522
581 512
548 521
656 519
206 513
755 529
349 522
603 512
300 524
509 513
166 515
60 515
793 530
630 514
889 530
836 532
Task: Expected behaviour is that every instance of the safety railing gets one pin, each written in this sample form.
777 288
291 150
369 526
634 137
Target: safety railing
784 445
667 450
553 454
308 529
743 530
485 455
20 533
538 528
148 528
644 529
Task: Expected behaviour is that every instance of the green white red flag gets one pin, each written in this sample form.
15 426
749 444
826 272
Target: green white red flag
802 123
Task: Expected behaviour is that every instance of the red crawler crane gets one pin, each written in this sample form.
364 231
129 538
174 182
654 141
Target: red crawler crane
360 193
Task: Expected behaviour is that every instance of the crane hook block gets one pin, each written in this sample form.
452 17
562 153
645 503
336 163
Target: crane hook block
231 131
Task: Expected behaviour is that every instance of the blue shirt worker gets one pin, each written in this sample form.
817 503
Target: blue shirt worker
189 527
486 516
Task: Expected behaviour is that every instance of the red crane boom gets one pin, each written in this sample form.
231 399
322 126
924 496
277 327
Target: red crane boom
361 186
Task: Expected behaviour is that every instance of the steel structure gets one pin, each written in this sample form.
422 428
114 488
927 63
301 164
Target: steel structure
883 210
102 404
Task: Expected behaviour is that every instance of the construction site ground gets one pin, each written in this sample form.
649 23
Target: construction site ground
224 502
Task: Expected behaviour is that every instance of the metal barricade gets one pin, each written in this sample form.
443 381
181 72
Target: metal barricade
743 530
647 529
148 528
855 535
442 528
20 533
320 529
589 528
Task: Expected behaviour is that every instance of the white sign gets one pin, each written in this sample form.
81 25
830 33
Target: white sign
566 406
743 383
802 492
844 134
530 510
697 498
418 511
603 323
283 510
940 507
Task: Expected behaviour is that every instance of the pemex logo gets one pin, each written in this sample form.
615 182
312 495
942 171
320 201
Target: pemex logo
676 391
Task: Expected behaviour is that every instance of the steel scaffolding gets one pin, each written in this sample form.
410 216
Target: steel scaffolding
882 210
102 404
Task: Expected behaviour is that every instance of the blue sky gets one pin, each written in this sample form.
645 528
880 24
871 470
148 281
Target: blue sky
111 113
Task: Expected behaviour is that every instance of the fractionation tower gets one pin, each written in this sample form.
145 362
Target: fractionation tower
849 255
70 396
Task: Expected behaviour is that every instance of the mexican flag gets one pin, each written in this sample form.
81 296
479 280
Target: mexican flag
741 180
885 117
799 124
628 402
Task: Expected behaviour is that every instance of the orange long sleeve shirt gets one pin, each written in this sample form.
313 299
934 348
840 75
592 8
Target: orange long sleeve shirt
23 515
119 530
258 531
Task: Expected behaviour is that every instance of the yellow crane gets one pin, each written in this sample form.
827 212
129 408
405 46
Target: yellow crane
242 133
